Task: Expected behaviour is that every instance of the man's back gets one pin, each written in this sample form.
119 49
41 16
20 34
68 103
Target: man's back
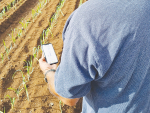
109 56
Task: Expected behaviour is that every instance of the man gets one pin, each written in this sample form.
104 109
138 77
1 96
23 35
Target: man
105 58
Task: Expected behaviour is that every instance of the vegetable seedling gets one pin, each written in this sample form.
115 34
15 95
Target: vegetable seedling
35 52
29 67
23 82
4 111
6 49
12 100
2 57
17 91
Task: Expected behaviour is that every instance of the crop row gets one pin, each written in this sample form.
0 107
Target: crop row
19 32
45 33
8 7
43 38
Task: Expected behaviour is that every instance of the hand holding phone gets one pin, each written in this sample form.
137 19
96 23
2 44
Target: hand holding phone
49 53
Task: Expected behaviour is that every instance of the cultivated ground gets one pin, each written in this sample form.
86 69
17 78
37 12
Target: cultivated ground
24 25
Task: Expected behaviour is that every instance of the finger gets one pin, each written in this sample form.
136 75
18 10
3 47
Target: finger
42 55
42 58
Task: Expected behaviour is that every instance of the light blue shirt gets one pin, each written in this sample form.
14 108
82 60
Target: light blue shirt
106 57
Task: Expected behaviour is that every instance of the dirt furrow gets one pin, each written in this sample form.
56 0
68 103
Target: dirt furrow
32 37
28 42
15 26
16 16
4 3
40 100
69 7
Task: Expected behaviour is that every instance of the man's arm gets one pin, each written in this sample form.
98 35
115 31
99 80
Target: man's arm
51 82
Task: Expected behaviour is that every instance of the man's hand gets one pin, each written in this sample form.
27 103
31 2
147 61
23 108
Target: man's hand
45 66
51 78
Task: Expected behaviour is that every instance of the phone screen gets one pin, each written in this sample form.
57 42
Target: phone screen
49 53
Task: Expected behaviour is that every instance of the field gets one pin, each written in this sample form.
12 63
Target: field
24 26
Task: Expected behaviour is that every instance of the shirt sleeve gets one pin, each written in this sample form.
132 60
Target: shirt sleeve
78 67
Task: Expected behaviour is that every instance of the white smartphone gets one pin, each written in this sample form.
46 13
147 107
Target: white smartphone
49 53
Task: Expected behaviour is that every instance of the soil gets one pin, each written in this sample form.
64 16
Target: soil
40 100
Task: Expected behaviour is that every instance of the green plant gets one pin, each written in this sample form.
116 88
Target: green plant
17 91
19 33
4 111
1 16
42 37
35 52
24 24
29 67
54 18
6 49
8 7
12 36
2 13
49 30
2 57
81 2
12 100
33 14
23 82
60 103
39 9
13 3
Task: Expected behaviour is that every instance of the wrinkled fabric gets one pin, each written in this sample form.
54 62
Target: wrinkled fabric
106 57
